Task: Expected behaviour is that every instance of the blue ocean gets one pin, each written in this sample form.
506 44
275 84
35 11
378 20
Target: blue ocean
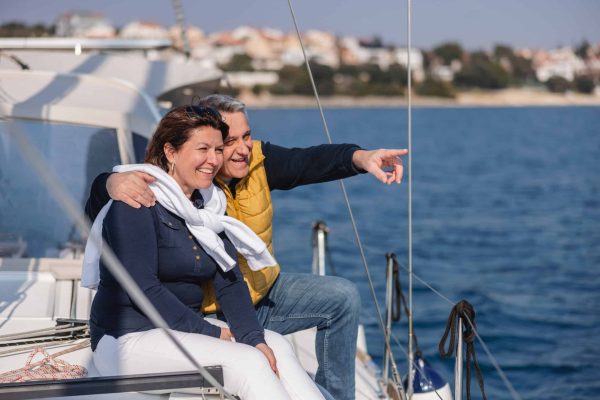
506 215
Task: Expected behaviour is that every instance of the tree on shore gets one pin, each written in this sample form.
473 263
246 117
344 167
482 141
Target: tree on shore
584 84
239 62
295 80
436 88
482 72
19 29
582 50
448 52
519 68
558 84
347 80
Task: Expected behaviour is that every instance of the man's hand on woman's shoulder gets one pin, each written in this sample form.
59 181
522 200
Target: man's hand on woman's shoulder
131 188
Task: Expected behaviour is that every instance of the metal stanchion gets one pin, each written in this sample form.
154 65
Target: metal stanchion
458 366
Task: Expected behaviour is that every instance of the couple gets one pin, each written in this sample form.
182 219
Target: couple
156 245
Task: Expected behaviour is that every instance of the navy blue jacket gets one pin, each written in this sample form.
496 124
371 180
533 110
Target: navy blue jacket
169 265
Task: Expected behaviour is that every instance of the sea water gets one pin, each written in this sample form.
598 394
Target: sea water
506 214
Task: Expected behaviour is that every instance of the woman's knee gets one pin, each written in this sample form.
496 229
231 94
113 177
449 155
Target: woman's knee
278 343
250 360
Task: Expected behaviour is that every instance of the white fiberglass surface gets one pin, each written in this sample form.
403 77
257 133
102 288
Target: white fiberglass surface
76 154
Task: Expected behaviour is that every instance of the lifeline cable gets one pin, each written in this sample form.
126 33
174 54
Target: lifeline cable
514 394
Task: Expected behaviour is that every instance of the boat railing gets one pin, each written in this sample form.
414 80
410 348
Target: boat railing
12 245
319 255
54 277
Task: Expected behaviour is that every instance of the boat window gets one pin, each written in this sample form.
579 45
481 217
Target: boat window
140 144
32 224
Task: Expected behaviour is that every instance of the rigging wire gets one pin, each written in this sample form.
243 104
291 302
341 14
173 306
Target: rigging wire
410 252
177 7
388 347
56 189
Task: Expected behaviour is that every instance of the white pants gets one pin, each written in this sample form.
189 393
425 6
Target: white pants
246 371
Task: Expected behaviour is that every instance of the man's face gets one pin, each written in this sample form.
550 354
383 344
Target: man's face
238 147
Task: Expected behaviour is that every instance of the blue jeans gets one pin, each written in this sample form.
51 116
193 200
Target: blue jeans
332 304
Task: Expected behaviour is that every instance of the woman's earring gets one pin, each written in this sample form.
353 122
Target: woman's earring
173 167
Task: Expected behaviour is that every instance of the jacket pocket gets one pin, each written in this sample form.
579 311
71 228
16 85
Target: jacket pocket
169 229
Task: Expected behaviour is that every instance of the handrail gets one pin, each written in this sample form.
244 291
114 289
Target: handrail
109 384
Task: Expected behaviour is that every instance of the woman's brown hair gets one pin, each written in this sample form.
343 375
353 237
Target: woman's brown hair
175 127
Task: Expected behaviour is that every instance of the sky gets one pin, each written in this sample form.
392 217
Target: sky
476 24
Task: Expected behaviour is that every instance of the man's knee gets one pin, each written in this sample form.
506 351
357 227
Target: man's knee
345 295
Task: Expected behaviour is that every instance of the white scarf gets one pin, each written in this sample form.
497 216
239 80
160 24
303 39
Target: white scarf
204 224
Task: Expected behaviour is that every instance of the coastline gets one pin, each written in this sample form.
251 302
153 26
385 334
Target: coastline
480 98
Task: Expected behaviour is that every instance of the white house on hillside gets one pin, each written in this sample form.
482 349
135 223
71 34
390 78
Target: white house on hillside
84 24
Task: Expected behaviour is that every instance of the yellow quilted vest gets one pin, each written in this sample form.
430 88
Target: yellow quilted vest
252 205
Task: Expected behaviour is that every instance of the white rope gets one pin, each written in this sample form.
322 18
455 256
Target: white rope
56 189
395 372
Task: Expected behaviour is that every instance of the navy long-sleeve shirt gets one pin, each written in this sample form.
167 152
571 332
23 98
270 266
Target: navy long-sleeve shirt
169 265
286 169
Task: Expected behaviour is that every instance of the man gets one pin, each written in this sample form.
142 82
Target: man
285 302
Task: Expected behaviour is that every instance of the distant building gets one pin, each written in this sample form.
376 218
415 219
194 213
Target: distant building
401 56
262 45
559 62
195 36
216 54
84 24
144 30
351 51
442 72
251 79
445 72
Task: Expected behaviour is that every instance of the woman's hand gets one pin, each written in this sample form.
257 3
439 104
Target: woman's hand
226 334
266 350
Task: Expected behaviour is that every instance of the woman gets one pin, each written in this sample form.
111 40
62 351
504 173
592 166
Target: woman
169 255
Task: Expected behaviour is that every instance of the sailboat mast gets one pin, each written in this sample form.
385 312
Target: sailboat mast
183 31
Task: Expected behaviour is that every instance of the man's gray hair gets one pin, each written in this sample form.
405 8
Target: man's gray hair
223 103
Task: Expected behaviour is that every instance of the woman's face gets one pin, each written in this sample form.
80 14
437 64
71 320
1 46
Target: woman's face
198 160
